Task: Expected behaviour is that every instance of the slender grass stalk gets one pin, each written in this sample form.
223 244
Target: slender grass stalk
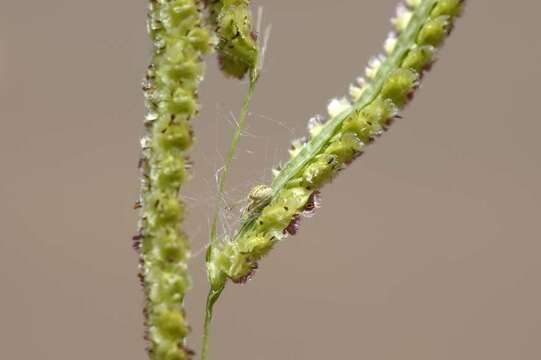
212 298
170 91
238 53
241 124
420 27
214 294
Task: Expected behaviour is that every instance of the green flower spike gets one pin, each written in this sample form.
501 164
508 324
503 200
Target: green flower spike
420 27
237 47
170 91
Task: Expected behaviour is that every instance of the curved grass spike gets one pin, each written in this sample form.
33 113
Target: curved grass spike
420 27
237 46
170 89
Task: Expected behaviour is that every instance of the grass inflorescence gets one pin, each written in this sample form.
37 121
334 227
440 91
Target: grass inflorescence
170 88
390 81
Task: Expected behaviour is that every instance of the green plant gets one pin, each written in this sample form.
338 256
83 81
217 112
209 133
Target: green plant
237 49
274 211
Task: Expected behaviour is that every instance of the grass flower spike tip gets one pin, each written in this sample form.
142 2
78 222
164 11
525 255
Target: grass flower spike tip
237 46
170 90
375 101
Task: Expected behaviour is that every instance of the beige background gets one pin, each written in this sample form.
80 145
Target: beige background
427 248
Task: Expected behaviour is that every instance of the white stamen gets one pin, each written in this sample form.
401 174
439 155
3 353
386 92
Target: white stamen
296 146
355 92
413 3
402 18
390 43
145 142
336 106
315 125
373 66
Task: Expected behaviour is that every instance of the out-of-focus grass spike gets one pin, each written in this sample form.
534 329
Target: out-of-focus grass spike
170 89
237 47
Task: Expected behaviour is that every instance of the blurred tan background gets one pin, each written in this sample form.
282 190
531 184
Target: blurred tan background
426 248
